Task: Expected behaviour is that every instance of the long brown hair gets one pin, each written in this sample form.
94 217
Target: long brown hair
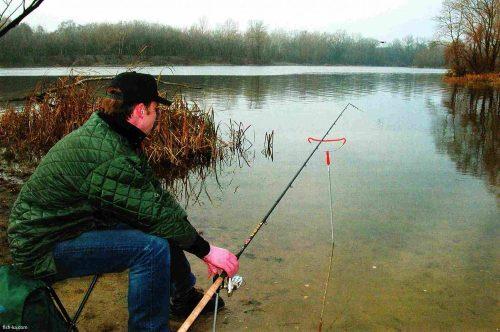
114 105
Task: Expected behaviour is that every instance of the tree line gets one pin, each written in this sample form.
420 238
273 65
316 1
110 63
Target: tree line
126 42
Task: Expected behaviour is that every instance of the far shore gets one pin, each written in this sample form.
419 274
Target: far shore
215 70
206 64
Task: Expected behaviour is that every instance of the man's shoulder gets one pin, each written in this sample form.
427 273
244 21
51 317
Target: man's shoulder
94 127
86 147
95 134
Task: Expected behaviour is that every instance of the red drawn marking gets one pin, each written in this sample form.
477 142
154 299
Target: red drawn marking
312 139
327 157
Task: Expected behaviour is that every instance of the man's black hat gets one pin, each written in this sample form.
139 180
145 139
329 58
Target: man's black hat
137 88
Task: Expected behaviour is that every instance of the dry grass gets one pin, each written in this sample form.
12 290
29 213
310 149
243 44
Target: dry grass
185 135
490 79
28 132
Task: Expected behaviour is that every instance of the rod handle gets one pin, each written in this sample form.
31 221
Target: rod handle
197 310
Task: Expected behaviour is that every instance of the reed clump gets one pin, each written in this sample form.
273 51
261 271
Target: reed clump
185 135
479 80
29 130
268 145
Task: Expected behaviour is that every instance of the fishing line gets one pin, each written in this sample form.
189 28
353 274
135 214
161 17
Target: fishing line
218 282
327 283
328 162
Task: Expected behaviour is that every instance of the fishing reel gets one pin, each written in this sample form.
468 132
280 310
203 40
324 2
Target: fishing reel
232 284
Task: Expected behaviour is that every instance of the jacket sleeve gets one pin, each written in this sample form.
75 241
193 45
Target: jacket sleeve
125 188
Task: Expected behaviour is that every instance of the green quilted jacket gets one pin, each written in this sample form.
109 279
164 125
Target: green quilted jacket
90 177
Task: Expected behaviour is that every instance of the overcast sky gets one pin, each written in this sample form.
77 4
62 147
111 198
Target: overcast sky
381 19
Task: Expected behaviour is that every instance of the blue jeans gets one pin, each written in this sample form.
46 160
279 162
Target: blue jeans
157 270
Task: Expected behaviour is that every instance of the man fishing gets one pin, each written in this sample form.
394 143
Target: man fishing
93 206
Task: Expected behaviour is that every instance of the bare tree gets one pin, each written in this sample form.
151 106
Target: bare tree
13 12
472 30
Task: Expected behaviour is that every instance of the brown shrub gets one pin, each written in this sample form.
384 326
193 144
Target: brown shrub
184 136
479 80
29 131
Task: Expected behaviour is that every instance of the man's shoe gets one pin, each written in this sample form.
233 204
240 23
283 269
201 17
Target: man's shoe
182 307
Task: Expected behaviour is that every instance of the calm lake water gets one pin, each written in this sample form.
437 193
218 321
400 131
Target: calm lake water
416 199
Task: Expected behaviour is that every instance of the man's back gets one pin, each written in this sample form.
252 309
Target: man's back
50 206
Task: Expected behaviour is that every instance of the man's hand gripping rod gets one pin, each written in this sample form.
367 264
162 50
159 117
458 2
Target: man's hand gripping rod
218 282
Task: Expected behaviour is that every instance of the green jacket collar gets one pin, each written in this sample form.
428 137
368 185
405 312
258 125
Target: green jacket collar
133 134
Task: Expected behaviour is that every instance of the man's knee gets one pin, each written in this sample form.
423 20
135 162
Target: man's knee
157 248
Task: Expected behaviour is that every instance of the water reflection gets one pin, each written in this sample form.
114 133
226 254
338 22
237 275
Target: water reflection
468 132
256 91
187 183
259 90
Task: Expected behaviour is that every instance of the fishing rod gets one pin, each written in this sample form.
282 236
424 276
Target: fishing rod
219 280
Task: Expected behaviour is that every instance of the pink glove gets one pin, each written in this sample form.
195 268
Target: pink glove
219 259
